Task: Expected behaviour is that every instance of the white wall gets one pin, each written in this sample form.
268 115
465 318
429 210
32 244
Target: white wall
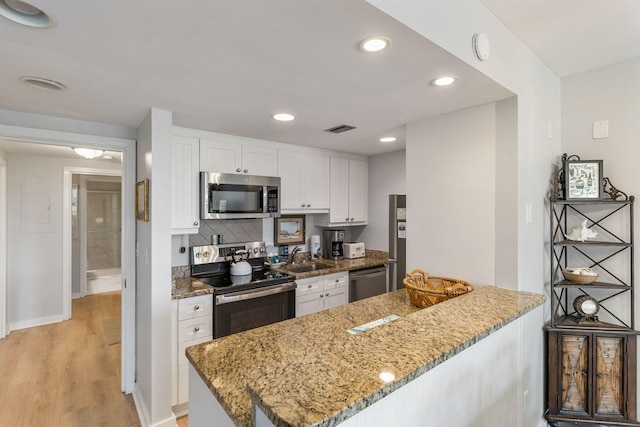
153 273
609 93
35 289
451 195
387 175
452 25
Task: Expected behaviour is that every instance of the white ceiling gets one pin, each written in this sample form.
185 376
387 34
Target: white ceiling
572 36
227 66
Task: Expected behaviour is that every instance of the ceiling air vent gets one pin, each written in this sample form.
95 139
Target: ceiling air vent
340 129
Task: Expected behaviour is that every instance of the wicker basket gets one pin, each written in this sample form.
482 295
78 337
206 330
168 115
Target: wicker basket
425 291
582 279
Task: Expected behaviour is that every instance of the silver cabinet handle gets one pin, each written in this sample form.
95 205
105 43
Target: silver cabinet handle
238 170
351 219
326 295
197 307
303 205
195 223
308 205
196 329
321 296
246 171
309 286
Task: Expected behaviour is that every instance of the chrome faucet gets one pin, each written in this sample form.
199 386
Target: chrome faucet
292 255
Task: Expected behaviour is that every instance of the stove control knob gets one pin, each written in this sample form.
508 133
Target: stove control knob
206 254
255 250
197 255
262 249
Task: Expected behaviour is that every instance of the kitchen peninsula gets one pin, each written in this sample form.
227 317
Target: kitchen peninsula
310 371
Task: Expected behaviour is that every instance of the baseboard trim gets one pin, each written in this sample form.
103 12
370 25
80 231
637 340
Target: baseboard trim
140 408
36 322
143 415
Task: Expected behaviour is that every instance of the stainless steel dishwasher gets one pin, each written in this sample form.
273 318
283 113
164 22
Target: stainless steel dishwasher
367 283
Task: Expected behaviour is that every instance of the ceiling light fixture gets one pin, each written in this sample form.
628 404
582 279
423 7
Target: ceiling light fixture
374 44
283 117
88 153
388 139
40 83
444 81
25 14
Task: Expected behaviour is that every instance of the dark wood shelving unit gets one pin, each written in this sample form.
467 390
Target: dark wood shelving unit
591 364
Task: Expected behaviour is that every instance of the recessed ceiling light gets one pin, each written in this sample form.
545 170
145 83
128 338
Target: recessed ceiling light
283 117
443 81
374 44
388 139
26 14
88 153
40 83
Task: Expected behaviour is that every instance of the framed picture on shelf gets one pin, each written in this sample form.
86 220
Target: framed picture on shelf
583 180
289 230
142 200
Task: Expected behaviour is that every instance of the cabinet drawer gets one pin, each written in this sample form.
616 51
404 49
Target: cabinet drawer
182 358
193 329
199 306
337 280
309 286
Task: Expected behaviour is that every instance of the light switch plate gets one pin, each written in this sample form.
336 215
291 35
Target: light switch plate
601 129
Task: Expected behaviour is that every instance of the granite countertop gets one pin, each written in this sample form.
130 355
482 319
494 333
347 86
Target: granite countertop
372 258
311 371
187 287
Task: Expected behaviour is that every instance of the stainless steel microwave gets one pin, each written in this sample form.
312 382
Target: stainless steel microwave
231 196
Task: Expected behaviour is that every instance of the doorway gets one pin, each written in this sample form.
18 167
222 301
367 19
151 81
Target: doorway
128 149
96 230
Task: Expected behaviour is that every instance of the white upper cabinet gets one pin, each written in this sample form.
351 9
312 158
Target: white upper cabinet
184 185
236 157
305 181
349 188
257 160
358 191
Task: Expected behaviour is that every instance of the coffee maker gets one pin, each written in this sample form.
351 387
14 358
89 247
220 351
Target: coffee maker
332 244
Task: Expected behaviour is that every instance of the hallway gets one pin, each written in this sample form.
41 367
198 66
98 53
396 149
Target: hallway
65 373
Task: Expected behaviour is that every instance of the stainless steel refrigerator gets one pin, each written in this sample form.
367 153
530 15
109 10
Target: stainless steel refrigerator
397 240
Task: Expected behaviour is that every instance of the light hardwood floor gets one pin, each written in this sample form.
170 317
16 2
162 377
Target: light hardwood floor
65 374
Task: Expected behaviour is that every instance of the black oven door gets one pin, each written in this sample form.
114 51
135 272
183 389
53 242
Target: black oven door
247 309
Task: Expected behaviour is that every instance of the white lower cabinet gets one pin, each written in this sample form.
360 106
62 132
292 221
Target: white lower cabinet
321 293
192 323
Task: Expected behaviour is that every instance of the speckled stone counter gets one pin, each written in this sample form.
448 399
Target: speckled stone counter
311 371
187 287
372 258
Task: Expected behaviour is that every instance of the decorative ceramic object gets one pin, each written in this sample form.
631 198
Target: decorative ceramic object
581 233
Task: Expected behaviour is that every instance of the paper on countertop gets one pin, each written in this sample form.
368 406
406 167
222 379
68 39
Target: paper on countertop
367 326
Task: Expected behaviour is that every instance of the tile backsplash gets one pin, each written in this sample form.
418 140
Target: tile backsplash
232 230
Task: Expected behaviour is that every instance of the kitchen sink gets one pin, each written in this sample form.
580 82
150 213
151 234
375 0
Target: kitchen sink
307 268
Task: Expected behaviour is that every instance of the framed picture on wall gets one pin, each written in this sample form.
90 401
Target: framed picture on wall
142 200
584 179
289 230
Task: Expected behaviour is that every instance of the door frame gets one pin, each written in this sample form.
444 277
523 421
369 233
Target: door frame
128 149
3 249
67 256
